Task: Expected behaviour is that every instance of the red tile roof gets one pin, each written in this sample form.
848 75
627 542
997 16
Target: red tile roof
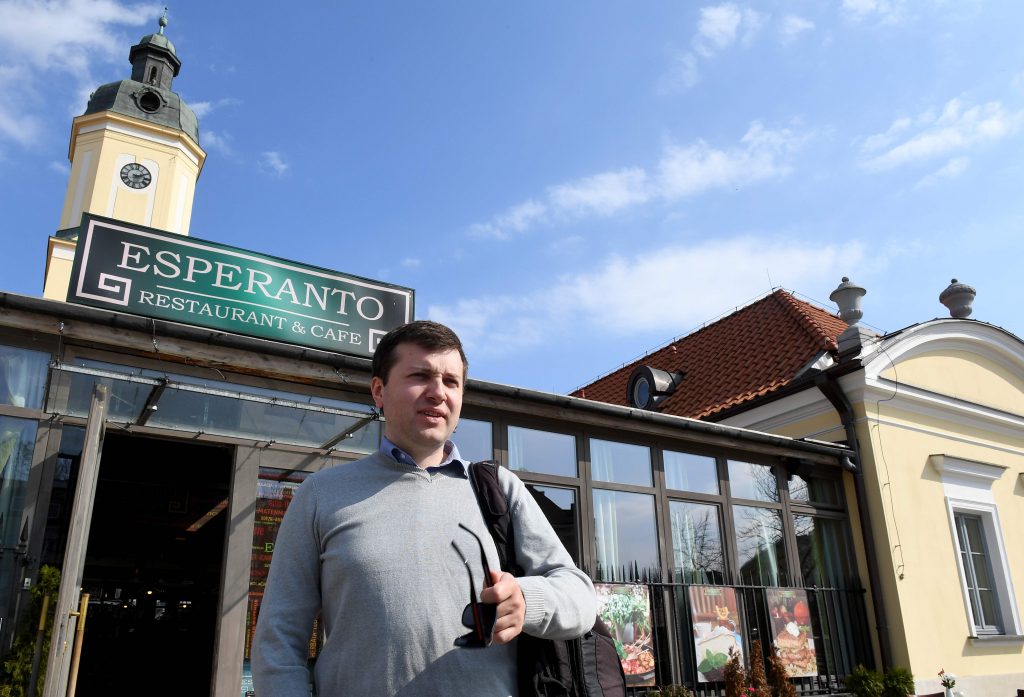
752 352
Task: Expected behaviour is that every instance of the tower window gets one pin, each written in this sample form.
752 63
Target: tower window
149 102
152 75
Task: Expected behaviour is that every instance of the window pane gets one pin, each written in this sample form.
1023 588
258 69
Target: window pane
620 463
824 554
978 573
474 440
23 377
760 546
559 506
541 451
627 537
221 411
750 481
124 403
17 441
689 472
814 490
697 543
236 417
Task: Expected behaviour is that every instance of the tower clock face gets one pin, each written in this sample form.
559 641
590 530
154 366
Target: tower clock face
135 176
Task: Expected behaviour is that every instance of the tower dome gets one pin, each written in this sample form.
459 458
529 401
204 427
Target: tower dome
147 95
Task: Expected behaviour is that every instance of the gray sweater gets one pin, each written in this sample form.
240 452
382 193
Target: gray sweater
368 545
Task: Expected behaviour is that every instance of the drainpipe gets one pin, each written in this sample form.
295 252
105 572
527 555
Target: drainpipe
829 387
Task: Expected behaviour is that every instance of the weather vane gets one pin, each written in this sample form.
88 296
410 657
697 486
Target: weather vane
163 21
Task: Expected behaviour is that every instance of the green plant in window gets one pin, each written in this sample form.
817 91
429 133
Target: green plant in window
898 682
18 666
863 682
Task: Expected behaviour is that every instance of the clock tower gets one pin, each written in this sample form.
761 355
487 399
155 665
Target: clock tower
134 153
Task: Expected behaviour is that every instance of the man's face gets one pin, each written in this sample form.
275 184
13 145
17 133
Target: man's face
421 400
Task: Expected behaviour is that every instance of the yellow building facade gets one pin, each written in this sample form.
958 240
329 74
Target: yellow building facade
938 413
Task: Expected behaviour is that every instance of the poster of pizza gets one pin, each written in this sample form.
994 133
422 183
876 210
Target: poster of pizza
791 630
716 629
626 609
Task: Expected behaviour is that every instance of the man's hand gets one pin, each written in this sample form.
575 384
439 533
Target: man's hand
505 592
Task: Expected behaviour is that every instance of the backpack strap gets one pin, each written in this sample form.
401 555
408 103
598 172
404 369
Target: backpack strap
483 477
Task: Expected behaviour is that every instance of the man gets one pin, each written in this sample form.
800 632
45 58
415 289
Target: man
376 548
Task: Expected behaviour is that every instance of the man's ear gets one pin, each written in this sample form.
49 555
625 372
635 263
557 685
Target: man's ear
377 390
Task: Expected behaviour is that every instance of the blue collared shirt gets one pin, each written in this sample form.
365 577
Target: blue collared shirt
451 456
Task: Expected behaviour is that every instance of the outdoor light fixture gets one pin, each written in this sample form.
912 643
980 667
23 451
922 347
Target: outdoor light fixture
648 387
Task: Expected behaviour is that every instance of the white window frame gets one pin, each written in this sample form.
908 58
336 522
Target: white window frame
968 489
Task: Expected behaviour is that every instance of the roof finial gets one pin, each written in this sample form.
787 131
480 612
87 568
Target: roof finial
163 21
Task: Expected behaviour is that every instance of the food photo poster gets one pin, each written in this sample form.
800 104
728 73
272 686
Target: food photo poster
791 631
716 629
626 609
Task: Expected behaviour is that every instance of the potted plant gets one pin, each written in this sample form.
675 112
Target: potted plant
948 680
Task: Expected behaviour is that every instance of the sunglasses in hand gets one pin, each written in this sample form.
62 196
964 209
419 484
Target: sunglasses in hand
477 616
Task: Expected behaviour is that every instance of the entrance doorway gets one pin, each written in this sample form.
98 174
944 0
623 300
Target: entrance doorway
153 567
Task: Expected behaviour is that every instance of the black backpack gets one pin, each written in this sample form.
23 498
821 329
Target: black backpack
587 666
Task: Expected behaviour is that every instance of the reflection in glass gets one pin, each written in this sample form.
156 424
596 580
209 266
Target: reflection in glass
274 491
760 546
750 481
697 543
627 537
23 377
559 507
544 452
17 441
814 490
689 472
824 554
474 440
224 409
58 518
620 463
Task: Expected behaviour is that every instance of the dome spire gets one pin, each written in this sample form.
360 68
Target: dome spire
163 21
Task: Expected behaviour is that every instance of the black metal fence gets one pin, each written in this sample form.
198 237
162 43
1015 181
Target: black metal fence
838 619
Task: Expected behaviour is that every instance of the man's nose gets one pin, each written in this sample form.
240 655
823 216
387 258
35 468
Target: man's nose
435 389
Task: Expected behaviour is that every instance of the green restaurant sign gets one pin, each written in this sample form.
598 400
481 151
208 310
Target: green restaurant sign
158 274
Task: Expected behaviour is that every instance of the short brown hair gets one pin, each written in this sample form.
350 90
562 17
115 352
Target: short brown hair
432 336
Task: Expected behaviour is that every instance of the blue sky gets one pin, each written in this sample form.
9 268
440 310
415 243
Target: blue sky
567 184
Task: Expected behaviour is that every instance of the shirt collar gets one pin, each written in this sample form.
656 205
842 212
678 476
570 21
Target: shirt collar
451 455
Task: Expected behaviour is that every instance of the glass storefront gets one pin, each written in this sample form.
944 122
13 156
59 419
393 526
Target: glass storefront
629 508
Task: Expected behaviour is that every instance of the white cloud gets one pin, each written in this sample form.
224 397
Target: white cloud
516 219
956 129
952 169
203 109
721 25
718 28
271 160
793 26
68 34
215 140
57 36
19 127
681 172
718 273
681 75
601 194
61 168
886 11
411 263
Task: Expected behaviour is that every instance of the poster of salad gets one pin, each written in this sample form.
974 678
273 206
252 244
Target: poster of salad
716 629
791 630
626 609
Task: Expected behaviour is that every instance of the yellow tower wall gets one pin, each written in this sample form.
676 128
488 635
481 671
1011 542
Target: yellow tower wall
102 143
